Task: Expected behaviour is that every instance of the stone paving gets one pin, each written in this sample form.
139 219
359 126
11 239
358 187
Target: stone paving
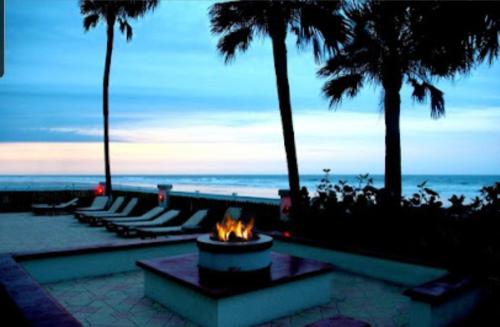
118 300
26 232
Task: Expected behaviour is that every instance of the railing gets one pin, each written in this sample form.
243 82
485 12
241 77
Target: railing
54 186
40 187
224 197
200 195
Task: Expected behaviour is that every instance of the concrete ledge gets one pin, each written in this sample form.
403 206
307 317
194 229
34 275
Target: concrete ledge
32 255
33 306
440 290
94 261
350 249
361 263
445 301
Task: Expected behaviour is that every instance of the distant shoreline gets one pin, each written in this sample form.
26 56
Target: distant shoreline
242 174
244 185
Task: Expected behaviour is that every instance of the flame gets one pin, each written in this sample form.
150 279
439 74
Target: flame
230 226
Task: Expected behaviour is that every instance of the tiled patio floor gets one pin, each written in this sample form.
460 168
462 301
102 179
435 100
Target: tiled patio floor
118 300
25 232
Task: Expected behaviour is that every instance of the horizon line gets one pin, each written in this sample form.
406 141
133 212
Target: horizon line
244 174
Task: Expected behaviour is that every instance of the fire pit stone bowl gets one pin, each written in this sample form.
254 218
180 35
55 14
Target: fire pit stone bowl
242 256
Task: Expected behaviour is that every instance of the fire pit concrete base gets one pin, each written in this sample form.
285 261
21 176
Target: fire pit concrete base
292 284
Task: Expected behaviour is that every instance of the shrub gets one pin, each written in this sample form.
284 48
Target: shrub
463 236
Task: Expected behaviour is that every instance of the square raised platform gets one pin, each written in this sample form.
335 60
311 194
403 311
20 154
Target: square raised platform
292 284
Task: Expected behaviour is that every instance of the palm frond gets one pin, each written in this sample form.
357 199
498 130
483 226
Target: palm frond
110 10
90 21
344 86
121 24
444 36
125 28
136 8
418 91
223 17
421 91
437 101
89 7
353 61
487 42
230 15
320 24
231 42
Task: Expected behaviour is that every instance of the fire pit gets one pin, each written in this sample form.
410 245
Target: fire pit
234 248
235 279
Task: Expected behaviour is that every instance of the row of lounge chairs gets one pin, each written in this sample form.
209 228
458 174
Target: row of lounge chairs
152 223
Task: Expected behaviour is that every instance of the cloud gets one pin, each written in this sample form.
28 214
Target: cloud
313 126
86 158
348 142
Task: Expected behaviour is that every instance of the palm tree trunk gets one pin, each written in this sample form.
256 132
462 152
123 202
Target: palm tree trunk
105 102
392 107
281 70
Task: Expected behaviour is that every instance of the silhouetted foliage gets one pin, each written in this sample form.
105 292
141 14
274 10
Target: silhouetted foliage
312 22
423 197
480 26
110 12
461 235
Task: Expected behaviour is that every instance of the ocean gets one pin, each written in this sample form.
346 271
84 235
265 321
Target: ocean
247 185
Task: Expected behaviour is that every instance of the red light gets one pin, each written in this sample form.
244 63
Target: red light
99 190
161 197
287 234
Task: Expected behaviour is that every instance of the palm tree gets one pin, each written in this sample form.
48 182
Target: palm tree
110 12
392 43
240 21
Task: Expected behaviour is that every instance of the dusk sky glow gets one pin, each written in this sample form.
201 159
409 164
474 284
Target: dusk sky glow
175 107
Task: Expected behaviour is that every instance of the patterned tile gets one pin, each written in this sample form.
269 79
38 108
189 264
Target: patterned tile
117 300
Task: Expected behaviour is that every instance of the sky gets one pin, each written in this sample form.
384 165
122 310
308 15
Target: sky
177 108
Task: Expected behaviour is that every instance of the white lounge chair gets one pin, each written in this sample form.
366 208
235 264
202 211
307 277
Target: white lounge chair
99 203
156 211
124 229
44 208
97 220
114 208
191 225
